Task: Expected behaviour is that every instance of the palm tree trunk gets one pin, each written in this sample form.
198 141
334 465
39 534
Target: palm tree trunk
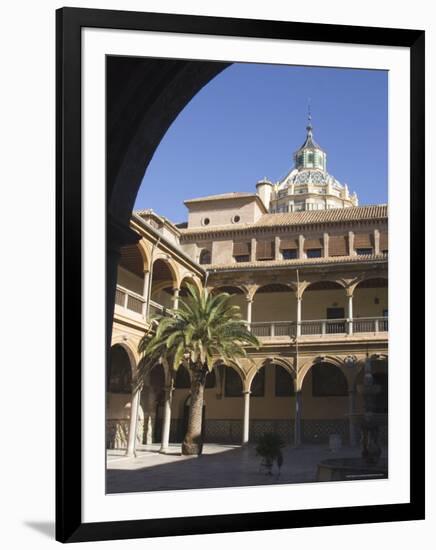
193 443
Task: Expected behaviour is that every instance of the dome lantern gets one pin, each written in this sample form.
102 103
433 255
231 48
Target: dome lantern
310 155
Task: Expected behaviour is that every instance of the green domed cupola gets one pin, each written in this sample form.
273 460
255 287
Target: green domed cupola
310 155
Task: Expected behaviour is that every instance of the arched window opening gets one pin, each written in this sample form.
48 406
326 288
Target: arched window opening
232 383
211 380
205 257
328 381
258 384
284 384
120 375
183 380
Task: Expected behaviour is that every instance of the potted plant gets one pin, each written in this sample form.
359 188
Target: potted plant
269 447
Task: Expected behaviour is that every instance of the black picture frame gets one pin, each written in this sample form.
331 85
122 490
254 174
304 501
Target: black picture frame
69 525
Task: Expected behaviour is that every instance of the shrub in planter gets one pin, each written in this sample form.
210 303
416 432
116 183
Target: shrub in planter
269 448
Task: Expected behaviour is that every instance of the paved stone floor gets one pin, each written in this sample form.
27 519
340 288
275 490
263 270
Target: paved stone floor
218 466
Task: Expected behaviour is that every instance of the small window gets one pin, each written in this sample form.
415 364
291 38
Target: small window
205 257
364 251
289 254
205 221
314 253
236 219
242 258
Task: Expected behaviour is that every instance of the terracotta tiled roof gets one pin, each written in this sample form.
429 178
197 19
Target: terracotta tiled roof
307 217
223 196
298 262
354 213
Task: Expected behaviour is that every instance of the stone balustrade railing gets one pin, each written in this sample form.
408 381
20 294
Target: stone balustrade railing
320 327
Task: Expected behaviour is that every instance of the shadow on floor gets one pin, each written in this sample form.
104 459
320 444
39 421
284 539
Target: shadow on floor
232 467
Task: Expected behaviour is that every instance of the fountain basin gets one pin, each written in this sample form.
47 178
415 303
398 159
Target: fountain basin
351 469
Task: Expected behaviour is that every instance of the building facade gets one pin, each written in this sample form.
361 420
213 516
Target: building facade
308 268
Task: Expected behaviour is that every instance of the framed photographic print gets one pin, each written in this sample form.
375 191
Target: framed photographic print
240 230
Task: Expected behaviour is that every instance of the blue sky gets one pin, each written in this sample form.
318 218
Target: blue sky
248 121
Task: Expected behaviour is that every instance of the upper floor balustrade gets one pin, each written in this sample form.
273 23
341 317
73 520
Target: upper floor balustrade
134 305
320 327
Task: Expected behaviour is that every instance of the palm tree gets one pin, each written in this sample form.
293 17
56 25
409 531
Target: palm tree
205 328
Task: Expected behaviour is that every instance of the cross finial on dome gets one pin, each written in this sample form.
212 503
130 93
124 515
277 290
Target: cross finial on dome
309 116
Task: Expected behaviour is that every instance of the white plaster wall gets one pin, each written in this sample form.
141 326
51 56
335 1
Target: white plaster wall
221 212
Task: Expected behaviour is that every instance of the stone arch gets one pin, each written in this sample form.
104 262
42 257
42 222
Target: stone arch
274 287
370 299
131 268
330 359
131 367
129 348
323 299
145 97
229 365
321 284
120 383
279 361
191 279
171 265
145 253
230 289
323 391
164 279
238 296
274 303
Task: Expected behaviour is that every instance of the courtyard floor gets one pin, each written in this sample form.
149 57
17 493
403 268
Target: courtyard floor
218 466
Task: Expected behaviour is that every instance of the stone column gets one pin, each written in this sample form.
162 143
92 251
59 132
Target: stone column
351 412
145 291
298 416
350 311
133 423
376 241
299 299
249 310
246 424
176 292
326 244
301 247
166 420
253 250
277 248
351 243
149 406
